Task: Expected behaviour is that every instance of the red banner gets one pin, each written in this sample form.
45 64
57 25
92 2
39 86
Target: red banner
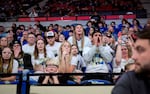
73 18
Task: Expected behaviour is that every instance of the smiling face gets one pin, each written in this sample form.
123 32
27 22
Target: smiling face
141 55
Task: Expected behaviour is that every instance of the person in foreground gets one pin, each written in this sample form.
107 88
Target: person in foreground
137 81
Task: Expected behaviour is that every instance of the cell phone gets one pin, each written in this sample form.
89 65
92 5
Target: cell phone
125 38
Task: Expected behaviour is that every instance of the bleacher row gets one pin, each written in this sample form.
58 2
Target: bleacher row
59 8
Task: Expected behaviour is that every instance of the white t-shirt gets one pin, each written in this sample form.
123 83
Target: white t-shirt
28 49
72 62
41 58
117 69
87 42
15 66
78 61
54 48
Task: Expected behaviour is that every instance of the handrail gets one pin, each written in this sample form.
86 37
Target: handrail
28 84
18 81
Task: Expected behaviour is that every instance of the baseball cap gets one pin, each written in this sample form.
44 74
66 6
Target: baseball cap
50 34
16 42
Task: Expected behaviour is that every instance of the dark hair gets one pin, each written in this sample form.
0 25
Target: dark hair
36 52
27 61
144 34
96 31
137 22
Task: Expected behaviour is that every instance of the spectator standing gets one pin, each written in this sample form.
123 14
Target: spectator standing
33 13
95 18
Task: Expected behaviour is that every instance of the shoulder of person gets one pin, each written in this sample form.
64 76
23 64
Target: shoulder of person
25 45
58 43
70 38
127 78
87 38
15 61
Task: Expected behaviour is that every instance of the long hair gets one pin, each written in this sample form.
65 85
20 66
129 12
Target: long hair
36 52
75 39
10 66
61 66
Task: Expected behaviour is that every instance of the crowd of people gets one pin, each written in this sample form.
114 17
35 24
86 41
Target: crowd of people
96 48
32 8
77 7
13 8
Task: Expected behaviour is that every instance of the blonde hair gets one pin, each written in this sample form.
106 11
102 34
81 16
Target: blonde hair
61 66
74 37
51 61
129 50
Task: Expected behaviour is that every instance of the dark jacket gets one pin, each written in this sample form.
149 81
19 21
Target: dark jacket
26 59
132 83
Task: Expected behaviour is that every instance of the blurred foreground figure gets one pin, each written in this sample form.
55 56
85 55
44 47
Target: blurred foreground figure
137 81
